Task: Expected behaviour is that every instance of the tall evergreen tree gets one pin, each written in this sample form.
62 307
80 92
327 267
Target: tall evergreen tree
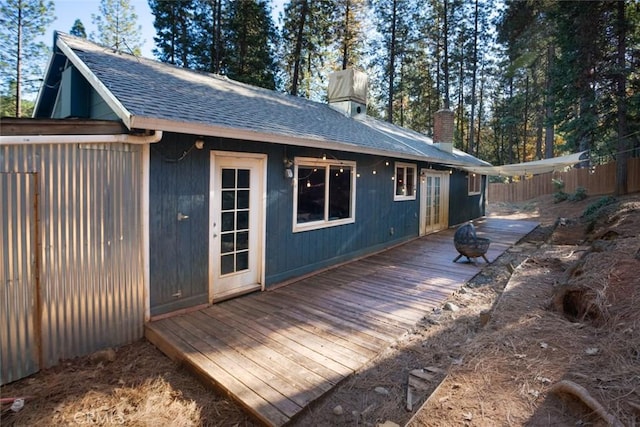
528 36
393 20
173 21
580 55
621 102
296 16
250 39
208 46
306 41
117 25
8 104
348 17
581 43
21 55
445 47
474 77
78 29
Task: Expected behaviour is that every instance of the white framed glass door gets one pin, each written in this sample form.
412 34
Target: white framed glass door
237 224
434 200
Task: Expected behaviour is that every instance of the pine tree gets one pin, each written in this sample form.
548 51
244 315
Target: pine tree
78 29
174 31
208 34
250 37
307 41
21 55
8 104
581 42
348 17
117 25
394 23
529 38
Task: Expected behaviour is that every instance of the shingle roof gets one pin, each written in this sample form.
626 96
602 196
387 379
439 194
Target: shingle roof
162 93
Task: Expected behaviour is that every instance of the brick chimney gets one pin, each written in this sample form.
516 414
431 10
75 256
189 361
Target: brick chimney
443 130
347 92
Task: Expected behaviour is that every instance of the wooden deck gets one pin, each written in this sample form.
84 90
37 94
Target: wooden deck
275 352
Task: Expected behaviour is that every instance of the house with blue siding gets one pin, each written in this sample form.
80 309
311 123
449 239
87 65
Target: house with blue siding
247 189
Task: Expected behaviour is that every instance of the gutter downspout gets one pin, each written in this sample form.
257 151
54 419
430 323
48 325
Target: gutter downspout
125 138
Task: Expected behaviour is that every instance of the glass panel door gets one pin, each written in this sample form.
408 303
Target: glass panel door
433 200
234 221
237 221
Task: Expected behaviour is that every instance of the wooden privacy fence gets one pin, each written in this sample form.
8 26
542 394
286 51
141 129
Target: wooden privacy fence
597 180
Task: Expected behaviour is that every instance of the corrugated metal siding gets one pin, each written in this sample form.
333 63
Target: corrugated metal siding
18 281
90 240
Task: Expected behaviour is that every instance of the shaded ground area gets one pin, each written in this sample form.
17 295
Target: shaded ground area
136 385
557 310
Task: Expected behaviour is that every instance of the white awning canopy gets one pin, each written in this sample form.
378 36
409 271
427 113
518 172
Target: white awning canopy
536 167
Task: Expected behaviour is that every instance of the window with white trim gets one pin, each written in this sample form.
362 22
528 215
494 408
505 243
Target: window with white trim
475 183
405 181
324 193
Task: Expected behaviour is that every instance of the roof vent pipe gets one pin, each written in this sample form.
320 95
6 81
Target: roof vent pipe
443 130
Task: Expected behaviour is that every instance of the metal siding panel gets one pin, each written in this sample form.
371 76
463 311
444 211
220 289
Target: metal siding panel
19 342
91 253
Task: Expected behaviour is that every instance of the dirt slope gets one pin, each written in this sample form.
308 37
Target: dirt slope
562 346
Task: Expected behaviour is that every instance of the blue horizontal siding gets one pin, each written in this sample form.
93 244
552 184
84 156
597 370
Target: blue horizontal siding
380 222
462 206
180 183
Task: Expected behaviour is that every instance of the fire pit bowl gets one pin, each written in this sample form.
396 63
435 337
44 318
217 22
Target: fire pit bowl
473 249
469 245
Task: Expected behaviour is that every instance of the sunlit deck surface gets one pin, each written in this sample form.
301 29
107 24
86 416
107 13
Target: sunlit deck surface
275 352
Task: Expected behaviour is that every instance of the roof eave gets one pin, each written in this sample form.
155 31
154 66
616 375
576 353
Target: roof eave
140 122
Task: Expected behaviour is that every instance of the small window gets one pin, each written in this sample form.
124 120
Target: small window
475 183
324 193
405 182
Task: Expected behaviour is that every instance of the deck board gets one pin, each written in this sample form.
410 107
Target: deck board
277 351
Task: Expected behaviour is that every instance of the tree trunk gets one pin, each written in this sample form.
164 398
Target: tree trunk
461 97
347 38
474 67
549 133
623 152
439 91
539 133
19 63
447 101
392 62
480 104
218 41
298 51
526 119
511 132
